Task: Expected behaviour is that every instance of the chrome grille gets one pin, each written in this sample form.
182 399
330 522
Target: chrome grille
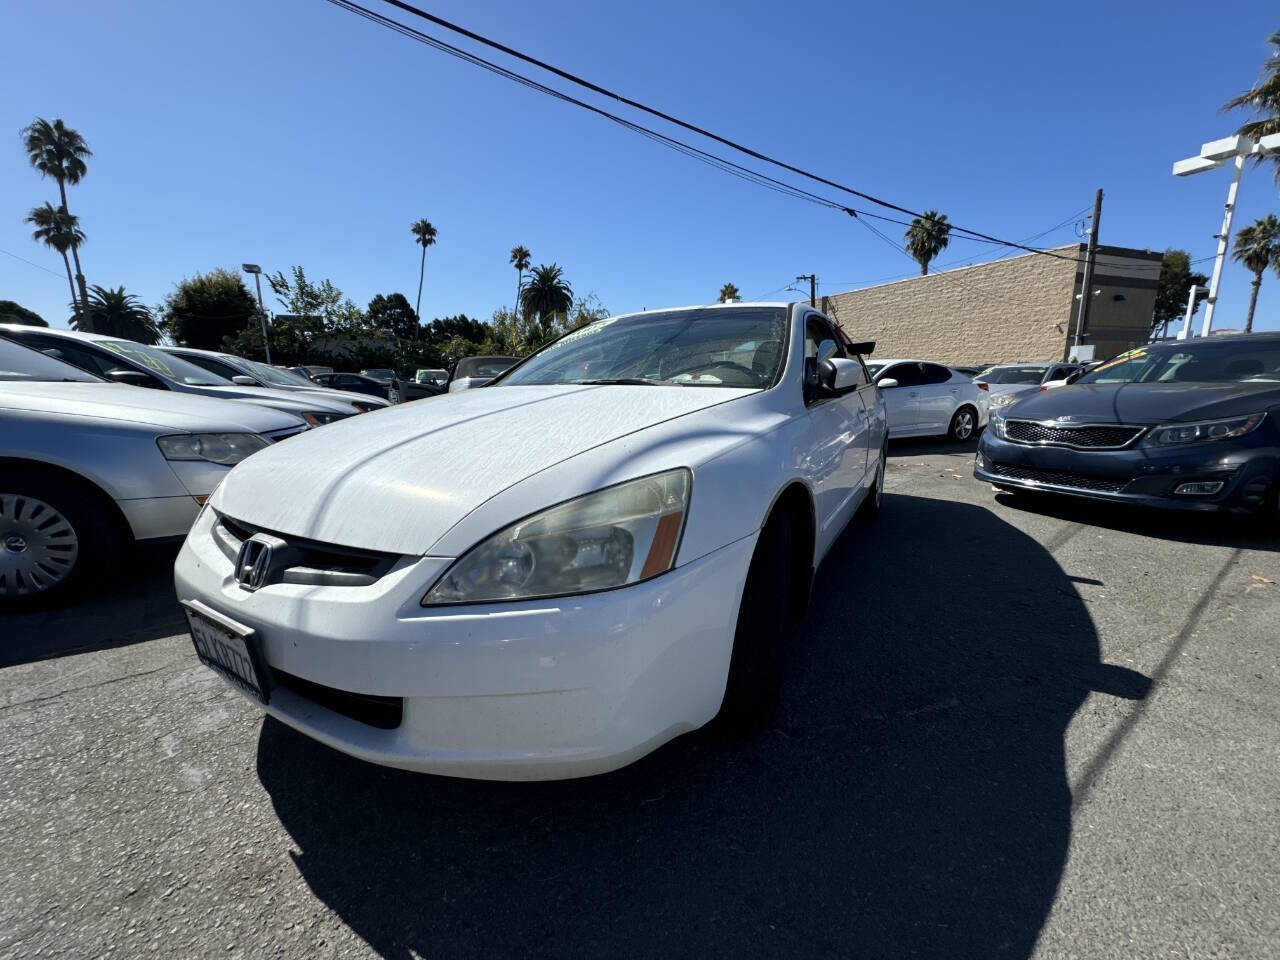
1090 436
306 561
1061 478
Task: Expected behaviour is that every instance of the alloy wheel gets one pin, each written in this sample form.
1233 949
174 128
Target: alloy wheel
964 425
38 546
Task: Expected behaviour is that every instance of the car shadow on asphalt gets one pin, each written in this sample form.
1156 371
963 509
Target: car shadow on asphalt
932 446
1247 531
911 800
132 604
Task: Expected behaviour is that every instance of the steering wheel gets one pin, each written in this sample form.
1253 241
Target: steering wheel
711 366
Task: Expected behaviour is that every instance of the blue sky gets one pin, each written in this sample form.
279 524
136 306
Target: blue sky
293 132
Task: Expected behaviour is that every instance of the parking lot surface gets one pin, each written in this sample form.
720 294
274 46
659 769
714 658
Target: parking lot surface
1010 728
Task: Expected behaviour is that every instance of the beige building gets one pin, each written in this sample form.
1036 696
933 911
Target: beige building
1022 308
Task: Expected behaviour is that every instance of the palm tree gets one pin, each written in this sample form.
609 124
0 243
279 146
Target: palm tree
57 151
546 295
520 260
121 314
927 237
728 292
425 235
1258 247
1263 98
60 231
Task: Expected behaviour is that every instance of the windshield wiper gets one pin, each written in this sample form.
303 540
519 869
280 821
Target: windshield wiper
628 381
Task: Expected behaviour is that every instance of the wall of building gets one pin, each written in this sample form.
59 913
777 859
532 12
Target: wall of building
1018 309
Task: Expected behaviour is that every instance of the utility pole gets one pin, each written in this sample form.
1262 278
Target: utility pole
1086 291
813 287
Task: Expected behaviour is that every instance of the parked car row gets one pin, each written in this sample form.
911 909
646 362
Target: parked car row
929 399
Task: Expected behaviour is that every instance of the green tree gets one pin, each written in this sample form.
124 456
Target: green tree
393 314
120 314
204 310
927 236
1263 99
301 297
520 260
425 236
1257 246
1176 281
729 292
11 312
57 151
291 339
546 296
60 231
442 329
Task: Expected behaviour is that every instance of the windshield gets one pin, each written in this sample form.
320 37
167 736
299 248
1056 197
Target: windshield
695 348
1012 375
1239 362
483 366
270 374
165 364
379 373
874 368
22 363
431 376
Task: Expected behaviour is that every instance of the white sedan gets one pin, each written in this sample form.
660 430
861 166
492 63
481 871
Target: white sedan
551 576
928 399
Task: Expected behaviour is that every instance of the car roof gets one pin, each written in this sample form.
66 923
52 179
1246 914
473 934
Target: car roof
69 334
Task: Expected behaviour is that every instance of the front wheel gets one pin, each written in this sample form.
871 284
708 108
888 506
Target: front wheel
755 667
51 539
963 424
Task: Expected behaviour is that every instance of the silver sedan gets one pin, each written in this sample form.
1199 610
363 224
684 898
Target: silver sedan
87 466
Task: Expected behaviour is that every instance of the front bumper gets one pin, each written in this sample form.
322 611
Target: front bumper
1142 476
534 690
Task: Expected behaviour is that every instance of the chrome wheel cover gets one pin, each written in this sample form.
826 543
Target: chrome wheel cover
38 546
964 425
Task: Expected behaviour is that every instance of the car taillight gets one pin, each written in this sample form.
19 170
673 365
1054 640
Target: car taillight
981 385
1042 389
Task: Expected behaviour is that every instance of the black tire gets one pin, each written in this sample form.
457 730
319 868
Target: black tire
755 668
964 424
871 505
72 528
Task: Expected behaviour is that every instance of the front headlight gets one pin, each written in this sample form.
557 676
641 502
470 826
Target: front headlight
995 423
227 449
1174 434
318 418
1003 400
610 538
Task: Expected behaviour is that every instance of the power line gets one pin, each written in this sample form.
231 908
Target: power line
756 176
31 263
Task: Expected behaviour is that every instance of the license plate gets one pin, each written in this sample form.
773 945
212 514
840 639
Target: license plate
228 648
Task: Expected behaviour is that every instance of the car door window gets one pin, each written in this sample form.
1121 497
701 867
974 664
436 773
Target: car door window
348 381
907 374
73 353
932 373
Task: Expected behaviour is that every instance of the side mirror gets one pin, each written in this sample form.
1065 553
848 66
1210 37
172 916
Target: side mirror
135 378
886 383
839 374
243 381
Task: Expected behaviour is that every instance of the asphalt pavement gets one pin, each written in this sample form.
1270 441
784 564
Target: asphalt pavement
1011 728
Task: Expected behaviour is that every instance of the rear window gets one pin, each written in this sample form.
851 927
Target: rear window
1024 376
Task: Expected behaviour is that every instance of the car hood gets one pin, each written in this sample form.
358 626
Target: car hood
280 399
170 411
338 396
399 481
1147 403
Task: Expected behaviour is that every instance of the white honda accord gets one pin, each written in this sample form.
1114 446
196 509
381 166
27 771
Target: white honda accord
552 575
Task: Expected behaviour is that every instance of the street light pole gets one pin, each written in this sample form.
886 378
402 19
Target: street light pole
262 311
1213 155
1223 235
1191 308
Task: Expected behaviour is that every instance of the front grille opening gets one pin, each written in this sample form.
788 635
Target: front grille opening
1061 478
385 713
1098 436
318 556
